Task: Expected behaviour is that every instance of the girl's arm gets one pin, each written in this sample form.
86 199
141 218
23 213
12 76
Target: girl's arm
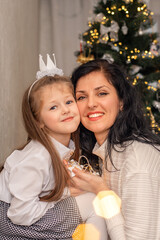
26 181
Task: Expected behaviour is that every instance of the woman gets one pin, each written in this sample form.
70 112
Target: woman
113 129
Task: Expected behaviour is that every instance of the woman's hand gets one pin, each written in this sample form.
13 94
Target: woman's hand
75 191
87 182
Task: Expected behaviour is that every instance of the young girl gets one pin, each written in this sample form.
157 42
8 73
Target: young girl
35 201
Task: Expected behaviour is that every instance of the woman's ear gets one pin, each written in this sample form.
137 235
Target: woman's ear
121 106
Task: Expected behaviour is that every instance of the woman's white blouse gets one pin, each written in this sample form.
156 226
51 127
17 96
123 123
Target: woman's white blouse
28 175
137 183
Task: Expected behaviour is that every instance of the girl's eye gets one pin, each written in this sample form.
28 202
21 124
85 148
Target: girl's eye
80 98
53 107
69 102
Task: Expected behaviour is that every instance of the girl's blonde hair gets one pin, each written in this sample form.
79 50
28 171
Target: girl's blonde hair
31 107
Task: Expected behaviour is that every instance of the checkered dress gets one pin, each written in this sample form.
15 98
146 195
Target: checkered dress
58 223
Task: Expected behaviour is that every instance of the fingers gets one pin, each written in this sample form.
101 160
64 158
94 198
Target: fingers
75 191
71 166
65 162
81 174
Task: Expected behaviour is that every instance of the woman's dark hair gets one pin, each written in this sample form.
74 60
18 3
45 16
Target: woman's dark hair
130 123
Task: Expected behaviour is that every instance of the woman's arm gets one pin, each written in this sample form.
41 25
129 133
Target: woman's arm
140 211
141 206
106 204
87 182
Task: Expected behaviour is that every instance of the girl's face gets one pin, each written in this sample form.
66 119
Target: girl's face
98 104
59 113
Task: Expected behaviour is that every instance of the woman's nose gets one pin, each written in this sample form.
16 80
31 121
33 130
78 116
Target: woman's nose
92 102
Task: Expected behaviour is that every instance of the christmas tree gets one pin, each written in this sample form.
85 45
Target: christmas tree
122 32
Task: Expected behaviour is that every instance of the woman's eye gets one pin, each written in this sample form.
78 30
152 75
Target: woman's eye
53 107
102 94
80 98
69 102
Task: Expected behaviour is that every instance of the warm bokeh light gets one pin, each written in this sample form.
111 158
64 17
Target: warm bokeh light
107 204
79 232
86 232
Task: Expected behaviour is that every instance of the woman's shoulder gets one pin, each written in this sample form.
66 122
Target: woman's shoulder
145 157
145 149
33 152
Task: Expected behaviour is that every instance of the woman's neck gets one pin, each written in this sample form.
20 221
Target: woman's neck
101 138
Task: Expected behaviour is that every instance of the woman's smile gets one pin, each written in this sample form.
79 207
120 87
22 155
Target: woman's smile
95 116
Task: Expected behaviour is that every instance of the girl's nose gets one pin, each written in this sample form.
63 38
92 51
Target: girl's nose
65 109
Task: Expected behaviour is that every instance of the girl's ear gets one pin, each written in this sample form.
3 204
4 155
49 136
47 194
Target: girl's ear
41 124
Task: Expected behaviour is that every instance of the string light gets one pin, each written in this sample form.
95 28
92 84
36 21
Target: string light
89 24
94 36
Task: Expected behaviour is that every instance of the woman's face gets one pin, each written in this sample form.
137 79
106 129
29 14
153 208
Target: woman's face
98 104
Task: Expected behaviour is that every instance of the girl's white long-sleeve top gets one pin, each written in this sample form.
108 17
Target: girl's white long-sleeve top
137 182
28 175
